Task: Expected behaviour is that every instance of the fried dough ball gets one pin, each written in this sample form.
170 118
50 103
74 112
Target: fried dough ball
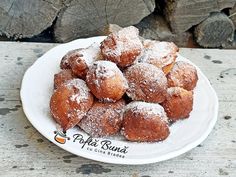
103 119
145 122
79 60
81 64
69 103
62 77
178 104
146 82
183 75
161 54
106 81
71 55
122 47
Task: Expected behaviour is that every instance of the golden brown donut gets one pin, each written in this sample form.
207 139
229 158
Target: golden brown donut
183 75
79 60
122 47
62 77
71 55
145 122
178 104
106 81
87 56
69 103
161 54
103 119
146 82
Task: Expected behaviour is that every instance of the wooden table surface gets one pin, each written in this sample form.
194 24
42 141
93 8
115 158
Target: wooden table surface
25 152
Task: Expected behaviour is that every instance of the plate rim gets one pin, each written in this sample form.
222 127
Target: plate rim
167 156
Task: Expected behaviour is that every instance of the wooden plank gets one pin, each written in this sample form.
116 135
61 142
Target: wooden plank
24 152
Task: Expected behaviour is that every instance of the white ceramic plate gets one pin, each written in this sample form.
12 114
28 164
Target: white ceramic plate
36 90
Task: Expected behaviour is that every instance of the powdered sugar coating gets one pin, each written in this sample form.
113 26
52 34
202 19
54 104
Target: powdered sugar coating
83 91
174 91
90 54
106 81
159 53
105 69
86 55
127 39
65 61
183 75
122 47
63 76
146 82
147 109
178 104
69 103
145 122
103 119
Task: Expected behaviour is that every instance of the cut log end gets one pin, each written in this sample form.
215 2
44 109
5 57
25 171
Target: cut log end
156 28
110 28
233 15
78 21
215 31
20 19
183 14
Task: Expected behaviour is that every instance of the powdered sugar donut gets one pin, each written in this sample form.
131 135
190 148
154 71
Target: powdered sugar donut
178 104
81 64
145 122
103 119
122 47
71 55
70 102
183 75
62 77
161 54
106 81
79 60
146 82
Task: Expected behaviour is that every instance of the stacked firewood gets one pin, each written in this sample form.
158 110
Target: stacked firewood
210 23
212 27
68 19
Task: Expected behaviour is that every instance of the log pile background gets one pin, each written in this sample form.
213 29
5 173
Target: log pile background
204 23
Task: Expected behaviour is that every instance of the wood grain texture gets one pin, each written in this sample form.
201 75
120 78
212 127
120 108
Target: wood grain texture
222 4
233 15
216 31
110 28
183 14
155 27
86 18
26 18
24 152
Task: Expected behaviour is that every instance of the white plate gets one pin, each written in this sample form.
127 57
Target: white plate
36 90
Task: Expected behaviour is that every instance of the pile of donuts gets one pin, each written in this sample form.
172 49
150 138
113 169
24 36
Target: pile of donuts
125 86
